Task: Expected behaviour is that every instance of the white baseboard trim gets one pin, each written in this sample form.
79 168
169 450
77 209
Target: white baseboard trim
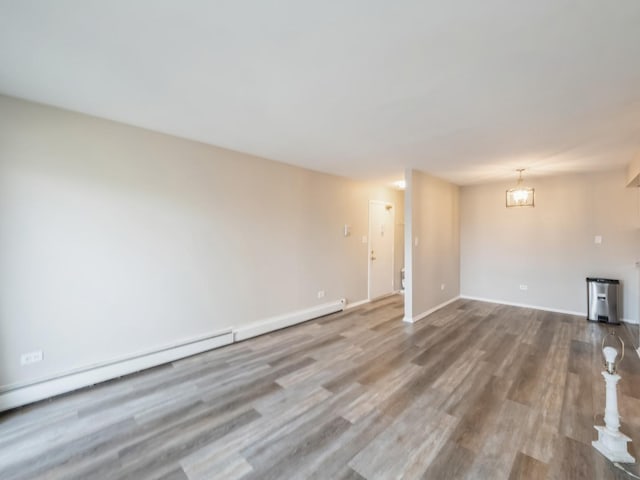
524 305
282 321
538 307
349 305
16 395
422 315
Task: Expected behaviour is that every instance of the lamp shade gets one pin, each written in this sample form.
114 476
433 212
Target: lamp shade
520 196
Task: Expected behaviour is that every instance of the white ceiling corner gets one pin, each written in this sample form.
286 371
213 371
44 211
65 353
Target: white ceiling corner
465 90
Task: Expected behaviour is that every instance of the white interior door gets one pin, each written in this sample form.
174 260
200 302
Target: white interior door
381 241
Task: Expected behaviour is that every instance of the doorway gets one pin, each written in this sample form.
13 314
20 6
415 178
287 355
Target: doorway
381 248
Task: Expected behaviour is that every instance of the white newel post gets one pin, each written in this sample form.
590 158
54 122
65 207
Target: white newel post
611 415
611 442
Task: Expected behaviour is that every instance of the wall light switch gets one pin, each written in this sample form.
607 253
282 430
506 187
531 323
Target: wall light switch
31 357
598 239
347 230
524 287
416 242
364 239
321 294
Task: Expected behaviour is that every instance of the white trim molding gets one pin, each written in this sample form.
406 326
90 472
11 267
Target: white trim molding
16 395
538 307
286 320
350 305
524 305
422 315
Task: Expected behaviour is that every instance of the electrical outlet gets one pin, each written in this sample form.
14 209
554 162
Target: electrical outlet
416 241
31 357
597 239
364 239
442 285
524 287
321 294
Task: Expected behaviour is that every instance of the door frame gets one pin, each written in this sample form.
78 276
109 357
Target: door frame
393 246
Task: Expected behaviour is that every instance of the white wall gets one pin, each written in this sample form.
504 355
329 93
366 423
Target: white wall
550 248
433 270
116 240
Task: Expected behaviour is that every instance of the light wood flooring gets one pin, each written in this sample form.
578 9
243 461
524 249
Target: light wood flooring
476 390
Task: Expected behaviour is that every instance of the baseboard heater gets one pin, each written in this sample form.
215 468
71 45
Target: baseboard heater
287 320
16 395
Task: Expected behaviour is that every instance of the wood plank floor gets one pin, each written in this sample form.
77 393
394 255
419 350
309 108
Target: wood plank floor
476 390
